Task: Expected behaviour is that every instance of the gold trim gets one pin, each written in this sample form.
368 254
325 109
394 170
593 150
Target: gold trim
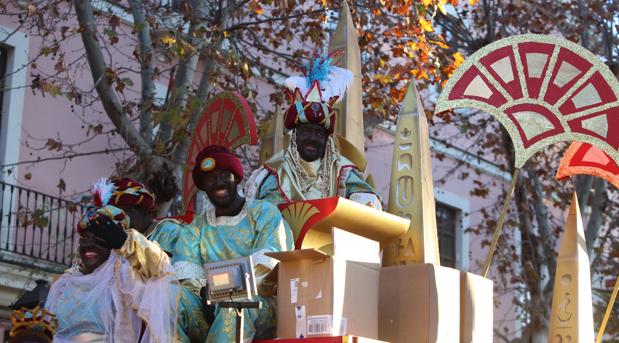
522 154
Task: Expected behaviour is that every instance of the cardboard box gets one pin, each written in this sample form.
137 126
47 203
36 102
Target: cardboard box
338 339
419 303
319 295
476 306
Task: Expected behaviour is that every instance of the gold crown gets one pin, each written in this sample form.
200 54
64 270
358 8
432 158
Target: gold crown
36 319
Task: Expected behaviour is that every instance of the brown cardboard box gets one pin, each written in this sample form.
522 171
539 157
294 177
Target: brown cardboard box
476 308
419 303
319 295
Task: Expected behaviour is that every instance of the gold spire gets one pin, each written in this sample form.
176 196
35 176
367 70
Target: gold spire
273 139
349 123
411 194
571 318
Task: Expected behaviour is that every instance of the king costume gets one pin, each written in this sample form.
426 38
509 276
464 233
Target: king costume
131 297
192 326
256 229
286 176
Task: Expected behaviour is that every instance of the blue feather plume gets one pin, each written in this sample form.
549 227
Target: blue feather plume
318 69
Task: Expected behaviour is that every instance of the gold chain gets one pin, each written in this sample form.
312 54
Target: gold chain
325 166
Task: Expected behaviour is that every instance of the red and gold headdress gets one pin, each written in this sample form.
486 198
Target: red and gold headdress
102 192
131 192
313 94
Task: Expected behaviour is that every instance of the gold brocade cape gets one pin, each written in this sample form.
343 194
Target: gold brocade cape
282 167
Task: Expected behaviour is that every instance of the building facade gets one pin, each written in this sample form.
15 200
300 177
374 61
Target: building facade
38 213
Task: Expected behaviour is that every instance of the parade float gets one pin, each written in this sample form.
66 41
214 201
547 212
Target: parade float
359 274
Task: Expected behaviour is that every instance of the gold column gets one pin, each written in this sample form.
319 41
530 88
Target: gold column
571 318
349 111
273 140
411 194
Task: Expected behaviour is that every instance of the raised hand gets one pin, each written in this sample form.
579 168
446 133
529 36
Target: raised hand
112 235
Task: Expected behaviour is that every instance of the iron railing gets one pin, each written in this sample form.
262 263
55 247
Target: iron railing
36 227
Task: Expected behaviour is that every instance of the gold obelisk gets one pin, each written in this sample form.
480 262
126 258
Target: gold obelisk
273 140
571 318
349 122
411 194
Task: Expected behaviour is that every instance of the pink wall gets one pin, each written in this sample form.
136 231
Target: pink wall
46 116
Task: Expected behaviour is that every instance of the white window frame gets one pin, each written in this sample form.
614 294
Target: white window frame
462 206
13 100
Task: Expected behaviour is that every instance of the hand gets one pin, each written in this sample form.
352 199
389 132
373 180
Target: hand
112 236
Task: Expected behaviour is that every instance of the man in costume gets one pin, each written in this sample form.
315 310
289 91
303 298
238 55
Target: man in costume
311 166
124 288
139 204
232 227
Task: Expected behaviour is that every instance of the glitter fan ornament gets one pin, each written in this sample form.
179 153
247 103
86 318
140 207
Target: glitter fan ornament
543 90
584 158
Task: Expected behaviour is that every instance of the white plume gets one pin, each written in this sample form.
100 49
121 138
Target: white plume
102 191
339 80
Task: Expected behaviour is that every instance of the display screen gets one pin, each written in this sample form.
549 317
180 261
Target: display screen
220 280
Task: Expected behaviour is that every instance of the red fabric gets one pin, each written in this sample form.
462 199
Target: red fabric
185 218
223 158
314 113
131 192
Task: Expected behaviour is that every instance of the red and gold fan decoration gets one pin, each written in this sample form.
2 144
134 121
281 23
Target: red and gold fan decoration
543 90
584 158
227 121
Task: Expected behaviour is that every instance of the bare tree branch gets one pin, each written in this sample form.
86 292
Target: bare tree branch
142 28
103 84
187 66
64 157
273 19
202 92
595 218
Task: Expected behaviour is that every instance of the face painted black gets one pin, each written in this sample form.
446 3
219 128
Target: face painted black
311 141
91 252
221 188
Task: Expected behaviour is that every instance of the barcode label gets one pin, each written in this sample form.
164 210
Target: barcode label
319 325
323 324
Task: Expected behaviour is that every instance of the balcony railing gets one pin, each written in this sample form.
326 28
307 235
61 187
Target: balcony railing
36 229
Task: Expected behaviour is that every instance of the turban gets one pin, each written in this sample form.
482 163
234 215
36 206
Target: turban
313 94
215 157
308 112
102 192
130 192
